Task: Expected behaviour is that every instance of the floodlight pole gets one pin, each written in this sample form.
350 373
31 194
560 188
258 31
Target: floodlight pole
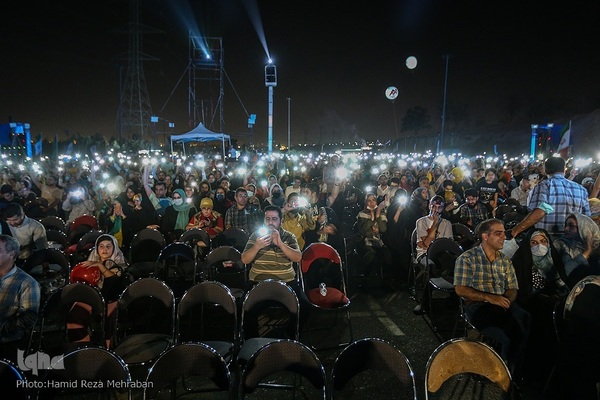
270 82
288 127
441 143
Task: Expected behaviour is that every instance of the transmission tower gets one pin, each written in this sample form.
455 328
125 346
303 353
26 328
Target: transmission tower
135 108
205 74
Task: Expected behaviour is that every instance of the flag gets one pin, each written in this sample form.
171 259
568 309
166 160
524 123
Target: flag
565 141
38 146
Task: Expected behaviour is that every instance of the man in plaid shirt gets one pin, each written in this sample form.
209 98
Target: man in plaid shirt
485 278
553 199
19 300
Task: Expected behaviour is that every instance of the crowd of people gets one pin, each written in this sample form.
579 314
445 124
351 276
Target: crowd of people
536 225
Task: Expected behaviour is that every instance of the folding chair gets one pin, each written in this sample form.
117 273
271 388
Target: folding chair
463 235
72 309
12 381
186 360
57 239
276 361
143 254
106 372
79 226
269 312
199 240
50 267
321 264
224 264
207 313
179 267
415 271
84 246
145 323
384 367
235 237
464 356
442 252
54 223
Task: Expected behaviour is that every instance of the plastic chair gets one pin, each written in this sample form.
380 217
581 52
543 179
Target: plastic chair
269 312
106 371
235 237
179 267
224 264
76 306
379 360
207 313
145 322
275 359
185 360
321 264
464 356
13 381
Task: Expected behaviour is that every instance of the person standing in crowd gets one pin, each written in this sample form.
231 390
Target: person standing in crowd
485 278
552 200
19 301
30 233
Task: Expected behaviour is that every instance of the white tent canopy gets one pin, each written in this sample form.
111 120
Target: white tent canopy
200 134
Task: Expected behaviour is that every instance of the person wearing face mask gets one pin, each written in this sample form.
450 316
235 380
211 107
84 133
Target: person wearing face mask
276 198
177 216
254 205
220 202
536 263
579 249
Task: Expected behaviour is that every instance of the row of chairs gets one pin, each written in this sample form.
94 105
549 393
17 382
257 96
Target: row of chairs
280 364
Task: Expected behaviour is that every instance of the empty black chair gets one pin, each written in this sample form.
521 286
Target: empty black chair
199 240
57 239
50 267
179 267
144 251
52 222
463 235
224 264
235 237
385 368
188 360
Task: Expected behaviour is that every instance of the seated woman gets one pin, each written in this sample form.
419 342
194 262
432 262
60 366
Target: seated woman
536 264
372 224
177 216
579 249
207 219
110 262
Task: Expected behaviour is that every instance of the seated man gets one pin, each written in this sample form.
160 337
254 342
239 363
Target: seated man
30 233
429 228
19 301
472 212
485 278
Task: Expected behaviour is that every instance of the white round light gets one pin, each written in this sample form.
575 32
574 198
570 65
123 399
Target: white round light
411 62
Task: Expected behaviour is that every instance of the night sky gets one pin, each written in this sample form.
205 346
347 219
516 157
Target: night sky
60 69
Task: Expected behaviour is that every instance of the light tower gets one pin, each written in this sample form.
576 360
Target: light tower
270 82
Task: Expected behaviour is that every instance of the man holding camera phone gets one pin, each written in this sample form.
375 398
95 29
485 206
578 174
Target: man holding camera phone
271 249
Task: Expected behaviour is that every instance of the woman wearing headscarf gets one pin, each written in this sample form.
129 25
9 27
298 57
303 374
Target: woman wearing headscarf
329 230
177 216
276 196
536 263
579 249
372 224
207 219
221 203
